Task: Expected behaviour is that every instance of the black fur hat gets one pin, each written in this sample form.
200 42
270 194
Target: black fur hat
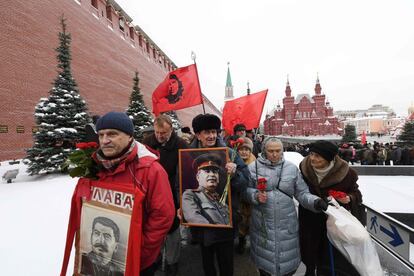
186 130
205 122
326 149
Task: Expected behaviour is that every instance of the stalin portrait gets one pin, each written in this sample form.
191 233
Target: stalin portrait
202 205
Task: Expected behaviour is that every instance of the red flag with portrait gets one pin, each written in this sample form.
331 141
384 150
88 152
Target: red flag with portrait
245 110
179 89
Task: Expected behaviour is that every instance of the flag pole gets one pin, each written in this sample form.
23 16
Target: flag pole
193 57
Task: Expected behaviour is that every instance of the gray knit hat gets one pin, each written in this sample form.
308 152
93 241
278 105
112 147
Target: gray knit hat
247 143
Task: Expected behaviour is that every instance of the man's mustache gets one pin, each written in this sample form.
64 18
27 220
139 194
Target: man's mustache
101 246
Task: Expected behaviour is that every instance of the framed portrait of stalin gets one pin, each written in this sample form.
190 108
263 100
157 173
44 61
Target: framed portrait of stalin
106 225
205 197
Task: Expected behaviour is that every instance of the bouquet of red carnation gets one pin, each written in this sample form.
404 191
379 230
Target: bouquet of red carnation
261 187
234 144
336 194
80 162
261 184
86 145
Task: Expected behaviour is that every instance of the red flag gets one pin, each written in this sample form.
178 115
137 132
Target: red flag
179 89
245 110
363 138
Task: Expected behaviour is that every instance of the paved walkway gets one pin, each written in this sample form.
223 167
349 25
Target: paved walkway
190 264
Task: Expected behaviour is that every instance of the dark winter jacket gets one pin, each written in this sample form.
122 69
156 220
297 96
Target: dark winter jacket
312 226
169 161
208 235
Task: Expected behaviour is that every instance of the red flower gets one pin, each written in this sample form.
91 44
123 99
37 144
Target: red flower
81 145
236 143
86 145
336 194
261 187
261 184
92 145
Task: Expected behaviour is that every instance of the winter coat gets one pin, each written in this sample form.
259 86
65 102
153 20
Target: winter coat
274 236
207 235
169 161
313 240
141 168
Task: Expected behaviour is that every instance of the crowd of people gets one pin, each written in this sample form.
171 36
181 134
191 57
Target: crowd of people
280 237
375 153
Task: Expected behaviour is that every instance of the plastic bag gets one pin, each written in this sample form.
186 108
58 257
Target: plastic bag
351 238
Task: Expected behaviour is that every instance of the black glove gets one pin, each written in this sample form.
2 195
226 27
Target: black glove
320 204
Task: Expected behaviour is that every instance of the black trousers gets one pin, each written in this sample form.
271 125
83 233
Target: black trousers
149 271
223 251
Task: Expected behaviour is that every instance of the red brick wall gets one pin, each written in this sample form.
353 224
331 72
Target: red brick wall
103 64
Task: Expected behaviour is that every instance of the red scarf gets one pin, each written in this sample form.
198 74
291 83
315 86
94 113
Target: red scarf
83 190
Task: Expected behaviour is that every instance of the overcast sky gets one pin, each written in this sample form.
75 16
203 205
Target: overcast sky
363 50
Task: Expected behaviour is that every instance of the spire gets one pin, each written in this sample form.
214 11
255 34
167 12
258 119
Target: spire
229 86
288 92
248 88
318 87
228 81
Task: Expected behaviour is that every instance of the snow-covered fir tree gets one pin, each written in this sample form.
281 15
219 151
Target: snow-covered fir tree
174 118
407 136
137 111
350 134
61 118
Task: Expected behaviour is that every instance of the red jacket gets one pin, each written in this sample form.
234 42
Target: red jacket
158 204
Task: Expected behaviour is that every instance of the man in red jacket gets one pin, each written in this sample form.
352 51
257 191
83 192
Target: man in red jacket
127 161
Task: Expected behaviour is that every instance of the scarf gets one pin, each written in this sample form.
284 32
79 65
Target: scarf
321 173
111 164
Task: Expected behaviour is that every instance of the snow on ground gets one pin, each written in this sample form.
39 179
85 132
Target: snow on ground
34 215
34 212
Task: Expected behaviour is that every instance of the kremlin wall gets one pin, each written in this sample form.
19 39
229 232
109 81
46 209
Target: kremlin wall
106 50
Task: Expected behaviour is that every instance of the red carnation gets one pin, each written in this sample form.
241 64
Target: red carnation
261 184
92 145
336 194
236 143
240 141
81 145
86 145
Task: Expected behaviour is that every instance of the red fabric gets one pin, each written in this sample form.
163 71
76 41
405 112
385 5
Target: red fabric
189 96
363 138
158 209
245 110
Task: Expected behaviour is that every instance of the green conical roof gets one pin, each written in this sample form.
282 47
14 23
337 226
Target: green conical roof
228 82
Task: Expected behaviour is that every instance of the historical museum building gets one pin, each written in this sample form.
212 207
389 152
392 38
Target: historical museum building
302 116
106 51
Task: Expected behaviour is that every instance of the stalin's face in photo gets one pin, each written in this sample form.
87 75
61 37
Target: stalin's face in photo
208 178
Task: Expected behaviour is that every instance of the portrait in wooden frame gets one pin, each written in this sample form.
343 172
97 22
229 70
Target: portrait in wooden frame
102 242
203 177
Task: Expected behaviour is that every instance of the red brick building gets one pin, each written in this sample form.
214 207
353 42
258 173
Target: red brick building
302 116
106 50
